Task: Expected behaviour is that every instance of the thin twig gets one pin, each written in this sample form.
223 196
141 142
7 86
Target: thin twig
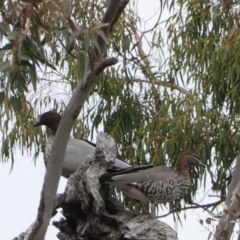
195 205
165 84
157 22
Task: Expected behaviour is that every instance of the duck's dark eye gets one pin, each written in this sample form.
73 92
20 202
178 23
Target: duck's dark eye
195 155
45 115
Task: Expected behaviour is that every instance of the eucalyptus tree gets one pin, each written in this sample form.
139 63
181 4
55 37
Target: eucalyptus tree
176 86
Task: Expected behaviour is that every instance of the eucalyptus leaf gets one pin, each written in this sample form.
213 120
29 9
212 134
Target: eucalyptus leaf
100 25
13 35
2 96
16 104
4 66
33 77
102 34
24 56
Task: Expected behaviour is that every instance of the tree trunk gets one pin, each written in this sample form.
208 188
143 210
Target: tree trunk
226 224
38 230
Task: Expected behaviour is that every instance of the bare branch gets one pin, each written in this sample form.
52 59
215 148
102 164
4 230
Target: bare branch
196 205
165 84
121 7
157 22
104 64
146 69
115 8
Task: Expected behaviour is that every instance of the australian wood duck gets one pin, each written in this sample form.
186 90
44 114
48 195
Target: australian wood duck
155 184
77 149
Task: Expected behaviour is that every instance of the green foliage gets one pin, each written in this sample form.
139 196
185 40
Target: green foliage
143 102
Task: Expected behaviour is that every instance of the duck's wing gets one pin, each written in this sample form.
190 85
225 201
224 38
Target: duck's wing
119 163
77 152
138 174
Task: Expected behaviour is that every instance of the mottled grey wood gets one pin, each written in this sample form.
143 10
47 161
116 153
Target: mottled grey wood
229 218
141 227
89 211
84 185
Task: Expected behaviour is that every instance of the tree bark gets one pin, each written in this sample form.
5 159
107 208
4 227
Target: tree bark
90 213
226 224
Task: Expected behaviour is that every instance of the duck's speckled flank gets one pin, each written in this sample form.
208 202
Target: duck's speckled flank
164 191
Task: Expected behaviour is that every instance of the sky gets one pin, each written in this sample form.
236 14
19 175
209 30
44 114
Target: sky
20 189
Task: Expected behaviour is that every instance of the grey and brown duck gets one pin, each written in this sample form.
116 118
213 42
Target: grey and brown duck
155 184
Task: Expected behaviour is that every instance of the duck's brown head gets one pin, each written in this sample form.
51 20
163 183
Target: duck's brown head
186 159
50 119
